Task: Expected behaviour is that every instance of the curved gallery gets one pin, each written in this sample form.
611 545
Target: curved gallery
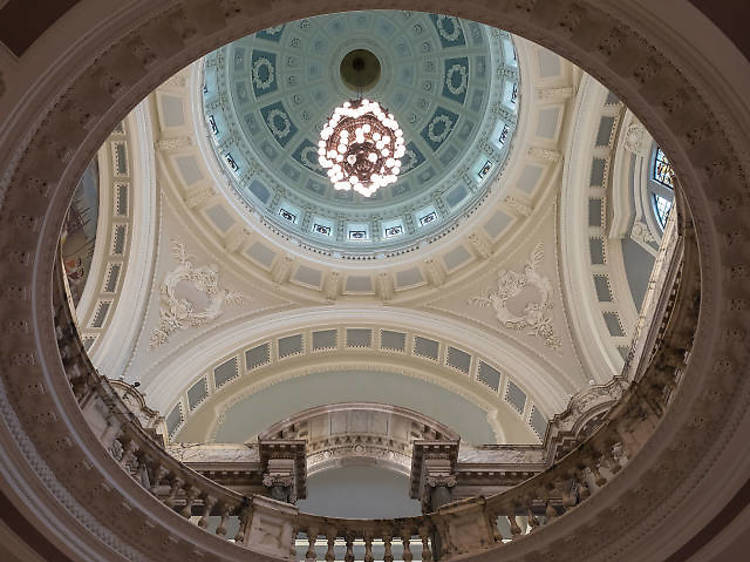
496 370
222 359
672 152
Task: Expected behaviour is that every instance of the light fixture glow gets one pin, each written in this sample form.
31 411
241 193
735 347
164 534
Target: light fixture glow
361 147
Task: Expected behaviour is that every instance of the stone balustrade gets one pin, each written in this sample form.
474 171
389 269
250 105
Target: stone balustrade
405 537
452 530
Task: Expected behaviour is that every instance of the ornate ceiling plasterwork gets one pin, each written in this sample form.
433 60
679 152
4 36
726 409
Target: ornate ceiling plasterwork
277 341
626 43
178 312
452 85
200 203
465 370
125 253
596 293
196 178
535 316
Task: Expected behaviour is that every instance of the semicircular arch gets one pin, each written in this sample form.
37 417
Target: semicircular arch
695 110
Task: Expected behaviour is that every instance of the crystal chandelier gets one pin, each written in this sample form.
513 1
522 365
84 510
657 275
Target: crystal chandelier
361 147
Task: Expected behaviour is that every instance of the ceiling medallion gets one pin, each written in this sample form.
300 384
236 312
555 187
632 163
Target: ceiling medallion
361 147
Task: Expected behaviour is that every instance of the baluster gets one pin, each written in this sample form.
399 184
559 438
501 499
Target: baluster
171 499
159 473
570 493
369 557
349 556
406 539
191 492
614 462
128 454
312 536
514 528
208 504
388 555
492 522
221 530
533 521
550 511
583 485
244 514
331 536
599 480
424 534
142 473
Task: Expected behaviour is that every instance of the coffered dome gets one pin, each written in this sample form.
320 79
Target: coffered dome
451 84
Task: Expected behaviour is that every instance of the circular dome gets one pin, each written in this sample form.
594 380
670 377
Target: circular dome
451 84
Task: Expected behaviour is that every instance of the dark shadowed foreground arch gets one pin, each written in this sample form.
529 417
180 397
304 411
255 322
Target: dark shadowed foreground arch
54 470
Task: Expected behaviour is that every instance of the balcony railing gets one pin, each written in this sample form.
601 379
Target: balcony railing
454 530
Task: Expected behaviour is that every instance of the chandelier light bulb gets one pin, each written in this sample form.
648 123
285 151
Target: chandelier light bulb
361 147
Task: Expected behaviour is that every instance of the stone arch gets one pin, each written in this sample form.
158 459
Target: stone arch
53 132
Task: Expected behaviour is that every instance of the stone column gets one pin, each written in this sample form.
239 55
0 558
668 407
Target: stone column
283 467
280 486
433 477
439 490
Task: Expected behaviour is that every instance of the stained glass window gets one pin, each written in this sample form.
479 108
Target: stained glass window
662 206
662 186
663 171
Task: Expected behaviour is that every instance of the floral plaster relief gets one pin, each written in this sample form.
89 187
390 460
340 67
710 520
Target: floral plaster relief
190 296
522 300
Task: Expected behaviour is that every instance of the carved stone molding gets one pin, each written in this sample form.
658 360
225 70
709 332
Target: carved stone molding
445 480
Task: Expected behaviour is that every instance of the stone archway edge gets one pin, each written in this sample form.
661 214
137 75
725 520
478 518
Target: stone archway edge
53 133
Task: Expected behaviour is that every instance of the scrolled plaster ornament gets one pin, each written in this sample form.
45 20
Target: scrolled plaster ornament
544 154
170 144
636 139
536 318
640 233
180 313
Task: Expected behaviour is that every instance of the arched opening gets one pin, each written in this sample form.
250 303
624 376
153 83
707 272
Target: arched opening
44 171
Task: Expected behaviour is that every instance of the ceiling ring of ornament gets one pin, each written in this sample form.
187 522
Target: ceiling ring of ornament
192 174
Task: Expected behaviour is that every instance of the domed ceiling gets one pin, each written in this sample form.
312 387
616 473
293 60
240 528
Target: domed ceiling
451 84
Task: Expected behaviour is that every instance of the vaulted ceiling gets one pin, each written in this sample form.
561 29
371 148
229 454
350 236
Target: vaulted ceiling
516 298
